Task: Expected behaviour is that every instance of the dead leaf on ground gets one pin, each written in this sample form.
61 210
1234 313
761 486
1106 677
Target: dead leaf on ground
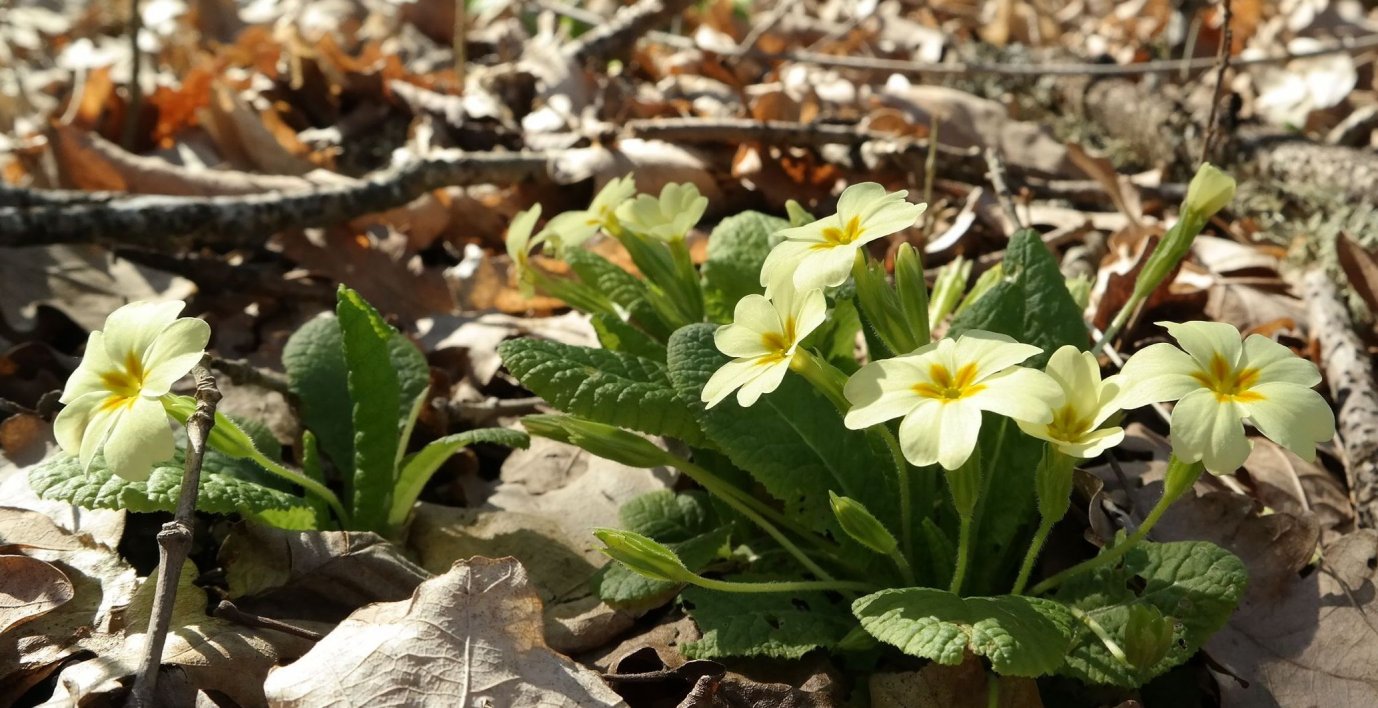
83 282
1285 482
1361 268
478 336
29 588
470 637
960 686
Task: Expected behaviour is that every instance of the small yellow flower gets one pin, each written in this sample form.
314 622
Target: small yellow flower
764 336
821 254
667 218
941 390
1218 383
519 245
113 398
1088 402
572 228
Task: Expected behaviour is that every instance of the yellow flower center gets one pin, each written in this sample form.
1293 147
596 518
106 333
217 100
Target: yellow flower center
945 387
124 384
1068 426
1228 383
778 343
833 236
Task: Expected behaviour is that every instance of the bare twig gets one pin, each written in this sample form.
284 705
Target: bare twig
227 610
996 172
136 89
460 42
174 540
480 412
1349 373
614 37
1222 58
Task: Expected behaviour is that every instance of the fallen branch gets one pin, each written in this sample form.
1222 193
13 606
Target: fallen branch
1349 373
174 540
229 221
615 36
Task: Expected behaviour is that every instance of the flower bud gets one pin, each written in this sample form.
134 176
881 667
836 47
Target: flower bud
605 441
1210 190
1148 636
643 555
913 293
861 525
226 437
1053 483
948 289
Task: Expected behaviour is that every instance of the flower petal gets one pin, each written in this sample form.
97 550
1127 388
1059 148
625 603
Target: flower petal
890 218
989 351
1277 363
856 199
768 380
728 378
519 233
1159 372
1205 429
102 419
1078 374
71 423
1205 340
960 426
778 269
1021 394
1292 416
919 433
173 354
572 228
810 233
824 267
883 390
1092 443
138 439
740 341
813 310
130 330
88 376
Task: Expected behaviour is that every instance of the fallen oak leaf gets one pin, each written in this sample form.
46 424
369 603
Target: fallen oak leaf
468 637
29 589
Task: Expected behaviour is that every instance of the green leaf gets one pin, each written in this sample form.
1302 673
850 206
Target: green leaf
1195 584
792 441
621 287
1022 636
223 488
777 625
669 517
619 336
416 469
1030 304
1010 510
607 387
315 363
736 249
376 391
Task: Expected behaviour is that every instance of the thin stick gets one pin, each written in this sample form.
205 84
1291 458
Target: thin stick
461 50
136 89
1222 58
174 540
227 610
1002 190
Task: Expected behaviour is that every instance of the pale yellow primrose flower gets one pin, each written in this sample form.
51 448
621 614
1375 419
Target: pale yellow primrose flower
1088 402
519 245
941 390
669 217
572 228
1218 382
763 336
112 397
821 254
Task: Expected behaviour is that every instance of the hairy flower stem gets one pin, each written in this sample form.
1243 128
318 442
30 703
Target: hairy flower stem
305 482
1180 477
1053 482
830 381
965 483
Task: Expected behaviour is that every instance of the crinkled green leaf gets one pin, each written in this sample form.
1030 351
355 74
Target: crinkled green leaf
736 249
669 517
315 363
778 625
1022 636
376 391
619 336
604 386
792 441
1195 584
626 290
1031 303
223 489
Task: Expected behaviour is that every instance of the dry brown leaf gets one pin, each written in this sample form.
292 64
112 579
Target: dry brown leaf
961 686
479 336
469 637
1285 482
654 163
1361 268
245 138
30 588
83 282
395 283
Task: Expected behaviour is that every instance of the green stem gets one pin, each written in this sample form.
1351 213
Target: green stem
963 554
1104 636
993 691
303 481
830 382
906 571
1117 324
783 585
752 509
1045 526
1180 477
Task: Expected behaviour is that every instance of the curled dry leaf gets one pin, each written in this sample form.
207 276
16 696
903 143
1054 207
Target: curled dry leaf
962 686
469 637
30 588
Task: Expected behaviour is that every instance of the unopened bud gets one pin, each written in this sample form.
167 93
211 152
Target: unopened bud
913 293
605 441
1210 190
861 525
226 437
643 555
1148 636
